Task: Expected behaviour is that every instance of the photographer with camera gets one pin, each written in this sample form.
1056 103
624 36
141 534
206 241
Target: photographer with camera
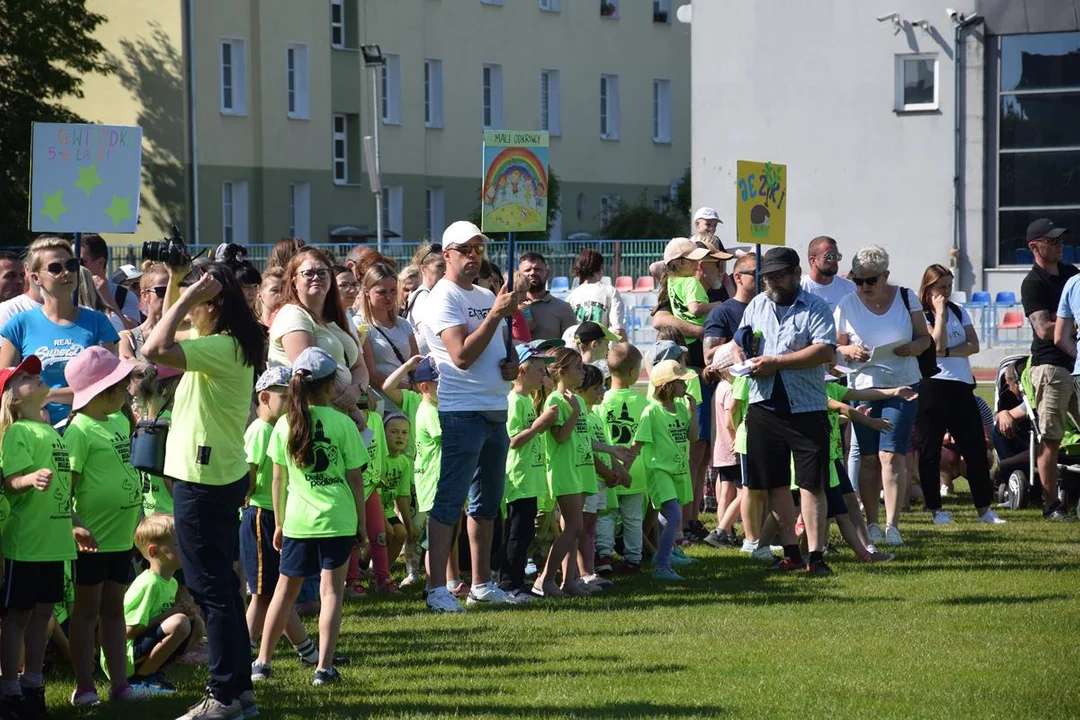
205 455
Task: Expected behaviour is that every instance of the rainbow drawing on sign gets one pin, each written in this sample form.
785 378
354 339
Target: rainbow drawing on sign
514 188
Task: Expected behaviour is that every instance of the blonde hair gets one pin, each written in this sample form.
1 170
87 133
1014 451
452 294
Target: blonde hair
7 412
426 253
154 529
410 271
42 245
708 239
88 294
372 277
871 259
521 284
149 270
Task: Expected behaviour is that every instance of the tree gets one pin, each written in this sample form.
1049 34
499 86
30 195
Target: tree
682 205
46 48
633 222
554 206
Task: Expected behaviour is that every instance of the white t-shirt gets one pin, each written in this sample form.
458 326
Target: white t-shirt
955 368
416 302
870 330
131 303
14 306
833 293
481 387
600 303
337 341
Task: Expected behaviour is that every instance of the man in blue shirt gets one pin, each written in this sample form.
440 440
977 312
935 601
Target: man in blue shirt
787 420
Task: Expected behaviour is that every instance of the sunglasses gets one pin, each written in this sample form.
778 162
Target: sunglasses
477 250
435 250
832 257
1051 241
56 268
309 275
871 281
158 290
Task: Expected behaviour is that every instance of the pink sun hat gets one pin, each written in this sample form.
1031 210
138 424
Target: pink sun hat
93 371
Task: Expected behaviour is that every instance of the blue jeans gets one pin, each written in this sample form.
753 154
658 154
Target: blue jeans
208 530
473 466
901 414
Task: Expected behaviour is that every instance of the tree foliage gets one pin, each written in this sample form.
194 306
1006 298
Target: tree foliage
682 205
641 220
554 206
46 47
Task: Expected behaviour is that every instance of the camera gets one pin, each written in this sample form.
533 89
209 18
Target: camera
172 251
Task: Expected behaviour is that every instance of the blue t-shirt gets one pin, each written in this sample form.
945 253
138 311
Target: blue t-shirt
724 319
34 334
1069 307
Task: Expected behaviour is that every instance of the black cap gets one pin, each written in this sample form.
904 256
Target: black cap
1044 228
590 331
779 259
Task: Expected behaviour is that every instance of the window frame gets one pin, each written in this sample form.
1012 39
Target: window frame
551 101
343 136
390 77
297 82
662 107
609 107
234 211
552 6
337 26
300 210
491 96
434 211
900 106
661 7
614 14
433 93
237 83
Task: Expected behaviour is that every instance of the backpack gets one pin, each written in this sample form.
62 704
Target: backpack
928 366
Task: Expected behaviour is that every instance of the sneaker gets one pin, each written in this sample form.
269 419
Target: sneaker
940 517
677 552
698 530
260 672
209 708
603 564
150 689
892 536
530 568
763 554
326 677
945 491
523 597
718 539
873 531
784 564
410 579
355 590
872 548
667 575
488 594
991 518
551 591
875 556
576 588
248 707
388 588
596 581
87 699
1057 513
626 568
442 601
461 590
681 560
130 693
818 568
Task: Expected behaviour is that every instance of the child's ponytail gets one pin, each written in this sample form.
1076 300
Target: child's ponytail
7 412
302 389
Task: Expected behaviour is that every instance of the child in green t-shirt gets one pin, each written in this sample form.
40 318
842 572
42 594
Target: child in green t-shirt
108 503
374 554
396 487
37 537
688 298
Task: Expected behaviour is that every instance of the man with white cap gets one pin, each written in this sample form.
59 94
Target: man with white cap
706 219
465 328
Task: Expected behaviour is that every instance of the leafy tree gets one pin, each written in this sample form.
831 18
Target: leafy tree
554 205
632 222
682 205
46 48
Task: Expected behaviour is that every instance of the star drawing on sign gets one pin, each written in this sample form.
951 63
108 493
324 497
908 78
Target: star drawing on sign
88 179
119 209
54 205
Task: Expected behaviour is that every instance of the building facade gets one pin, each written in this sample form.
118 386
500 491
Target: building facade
254 111
895 132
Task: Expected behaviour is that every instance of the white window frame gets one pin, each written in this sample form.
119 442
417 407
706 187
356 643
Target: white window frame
340 160
434 212
551 5
297 82
391 208
433 93
300 210
491 97
236 83
551 102
901 60
609 107
339 26
662 6
609 205
661 107
234 212
612 16
390 92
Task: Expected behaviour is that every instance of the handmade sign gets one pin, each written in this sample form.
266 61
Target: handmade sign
761 203
515 181
85 178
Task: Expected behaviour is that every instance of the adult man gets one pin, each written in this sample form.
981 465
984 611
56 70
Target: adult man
724 320
94 255
705 220
787 418
21 303
465 330
548 316
1055 395
12 279
823 280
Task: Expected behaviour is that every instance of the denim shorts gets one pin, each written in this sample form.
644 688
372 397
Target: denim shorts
473 466
303 557
901 414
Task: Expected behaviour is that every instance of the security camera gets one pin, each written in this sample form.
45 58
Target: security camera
955 15
894 16
924 24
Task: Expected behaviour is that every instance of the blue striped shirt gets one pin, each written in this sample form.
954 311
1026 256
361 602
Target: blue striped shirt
808 321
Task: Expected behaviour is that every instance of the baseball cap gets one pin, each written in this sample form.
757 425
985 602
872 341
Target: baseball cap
665 350
707 213
30 364
526 352
545 345
779 259
720 254
314 363
681 247
589 331
426 371
126 273
93 371
669 371
459 233
1044 228
273 377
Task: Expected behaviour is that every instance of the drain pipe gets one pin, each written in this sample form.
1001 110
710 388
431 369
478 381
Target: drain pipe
193 125
960 23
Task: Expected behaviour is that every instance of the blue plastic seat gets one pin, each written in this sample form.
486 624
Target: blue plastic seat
980 298
1068 254
560 284
1005 297
1023 256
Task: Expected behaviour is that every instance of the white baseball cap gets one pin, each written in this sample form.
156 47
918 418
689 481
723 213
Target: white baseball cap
707 213
459 233
684 248
124 273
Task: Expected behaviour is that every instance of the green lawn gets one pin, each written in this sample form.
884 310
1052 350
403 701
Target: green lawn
969 621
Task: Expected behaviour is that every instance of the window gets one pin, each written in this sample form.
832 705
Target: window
296 81
609 107
234 212
491 2
434 212
609 9
492 91
550 5
233 76
609 207
337 24
341 150
1038 138
391 209
661 111
433 93
300 210
661 11
391 90
916 83
549 102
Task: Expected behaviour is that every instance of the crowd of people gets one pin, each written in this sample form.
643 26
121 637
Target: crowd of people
172 434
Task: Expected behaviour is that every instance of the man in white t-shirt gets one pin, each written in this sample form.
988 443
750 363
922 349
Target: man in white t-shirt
823 280
20 303
466 333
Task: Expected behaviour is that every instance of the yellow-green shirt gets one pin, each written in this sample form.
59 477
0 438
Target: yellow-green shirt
428 462
525 474
621 411
39 528
681 292
256 442
108 496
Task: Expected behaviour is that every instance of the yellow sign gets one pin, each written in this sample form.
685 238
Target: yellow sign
761 203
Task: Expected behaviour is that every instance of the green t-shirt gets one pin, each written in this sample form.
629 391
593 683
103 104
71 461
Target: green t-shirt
145 599
374 439
108 496
596 430
525 474
569 464
740 390
410 401
397 482
681 292
39 529
621 412
320 501
5 507
206 436
835 391
665 437
256 441
156 495
428 461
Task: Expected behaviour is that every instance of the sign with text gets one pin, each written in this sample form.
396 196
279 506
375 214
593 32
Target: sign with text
761 203
85 178
515 181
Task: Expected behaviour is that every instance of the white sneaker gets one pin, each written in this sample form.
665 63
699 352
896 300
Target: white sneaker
990 518
410 579
763 554
488 594
530 568
872 548
941 518
441 601
945 491
873 531
748 546
892 536
595 580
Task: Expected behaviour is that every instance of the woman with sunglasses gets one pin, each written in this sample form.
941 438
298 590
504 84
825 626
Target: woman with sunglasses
58 330
429 259
879 313
389 341
152 286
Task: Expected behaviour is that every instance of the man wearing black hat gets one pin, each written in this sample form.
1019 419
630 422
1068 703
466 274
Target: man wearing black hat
1051 367
787 419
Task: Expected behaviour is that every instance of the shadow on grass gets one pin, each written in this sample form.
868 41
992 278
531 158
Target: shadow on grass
1004 600
511 708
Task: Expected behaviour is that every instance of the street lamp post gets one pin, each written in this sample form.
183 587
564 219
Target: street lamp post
373 59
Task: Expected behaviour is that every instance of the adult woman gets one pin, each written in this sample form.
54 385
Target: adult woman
152 286
878 314
59 329
947 402
269 299
250 280
390 341
408 281
429 259
349 288
205 457
283 252
592 299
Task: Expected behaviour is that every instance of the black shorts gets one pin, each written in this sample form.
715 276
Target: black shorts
304 557
96 568
145 644
731 474
27 583
257 554
772 441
